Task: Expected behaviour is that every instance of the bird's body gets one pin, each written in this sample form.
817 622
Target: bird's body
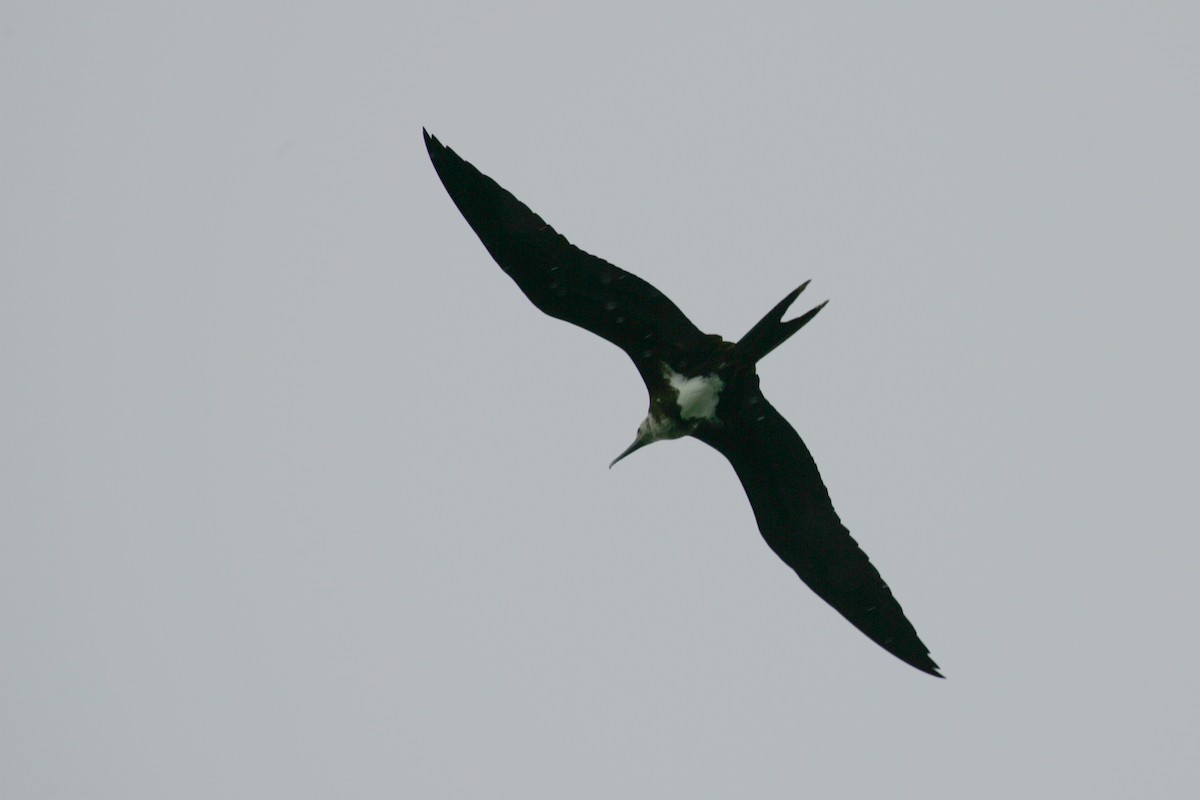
699 385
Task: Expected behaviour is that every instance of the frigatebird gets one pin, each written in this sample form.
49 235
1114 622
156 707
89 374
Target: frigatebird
700 385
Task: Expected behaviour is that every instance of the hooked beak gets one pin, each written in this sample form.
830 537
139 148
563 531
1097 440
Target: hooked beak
637 443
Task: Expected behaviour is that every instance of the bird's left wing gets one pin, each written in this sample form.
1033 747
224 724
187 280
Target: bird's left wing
562 280
797 519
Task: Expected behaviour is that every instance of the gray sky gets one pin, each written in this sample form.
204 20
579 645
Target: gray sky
302 498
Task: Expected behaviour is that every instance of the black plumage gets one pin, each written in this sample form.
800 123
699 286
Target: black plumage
699 385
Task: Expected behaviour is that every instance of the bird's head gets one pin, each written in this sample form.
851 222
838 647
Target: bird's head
654 427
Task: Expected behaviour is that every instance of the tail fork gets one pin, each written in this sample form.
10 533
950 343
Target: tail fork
771 331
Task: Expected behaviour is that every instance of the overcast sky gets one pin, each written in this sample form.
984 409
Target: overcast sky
302 498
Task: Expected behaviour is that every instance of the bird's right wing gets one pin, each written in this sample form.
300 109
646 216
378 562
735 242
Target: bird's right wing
797 519
562 280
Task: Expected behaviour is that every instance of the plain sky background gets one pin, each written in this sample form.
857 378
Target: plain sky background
302 498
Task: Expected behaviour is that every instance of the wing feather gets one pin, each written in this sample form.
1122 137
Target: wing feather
562 280
798 522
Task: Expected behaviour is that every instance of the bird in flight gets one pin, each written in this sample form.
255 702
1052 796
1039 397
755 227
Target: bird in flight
700 385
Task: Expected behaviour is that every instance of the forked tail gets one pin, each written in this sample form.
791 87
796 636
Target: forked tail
771 331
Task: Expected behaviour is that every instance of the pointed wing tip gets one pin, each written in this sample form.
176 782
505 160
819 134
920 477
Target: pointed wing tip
932 669
438 153
905 646
921 662
431 142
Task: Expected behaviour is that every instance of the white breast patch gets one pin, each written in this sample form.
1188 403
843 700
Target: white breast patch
697 397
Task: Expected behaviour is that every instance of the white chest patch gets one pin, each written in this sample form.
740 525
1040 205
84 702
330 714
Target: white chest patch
697 397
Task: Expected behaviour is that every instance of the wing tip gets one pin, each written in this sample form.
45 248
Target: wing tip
915 658
432 145
930 668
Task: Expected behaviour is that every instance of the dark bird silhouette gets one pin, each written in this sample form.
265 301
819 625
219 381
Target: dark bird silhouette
700 385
